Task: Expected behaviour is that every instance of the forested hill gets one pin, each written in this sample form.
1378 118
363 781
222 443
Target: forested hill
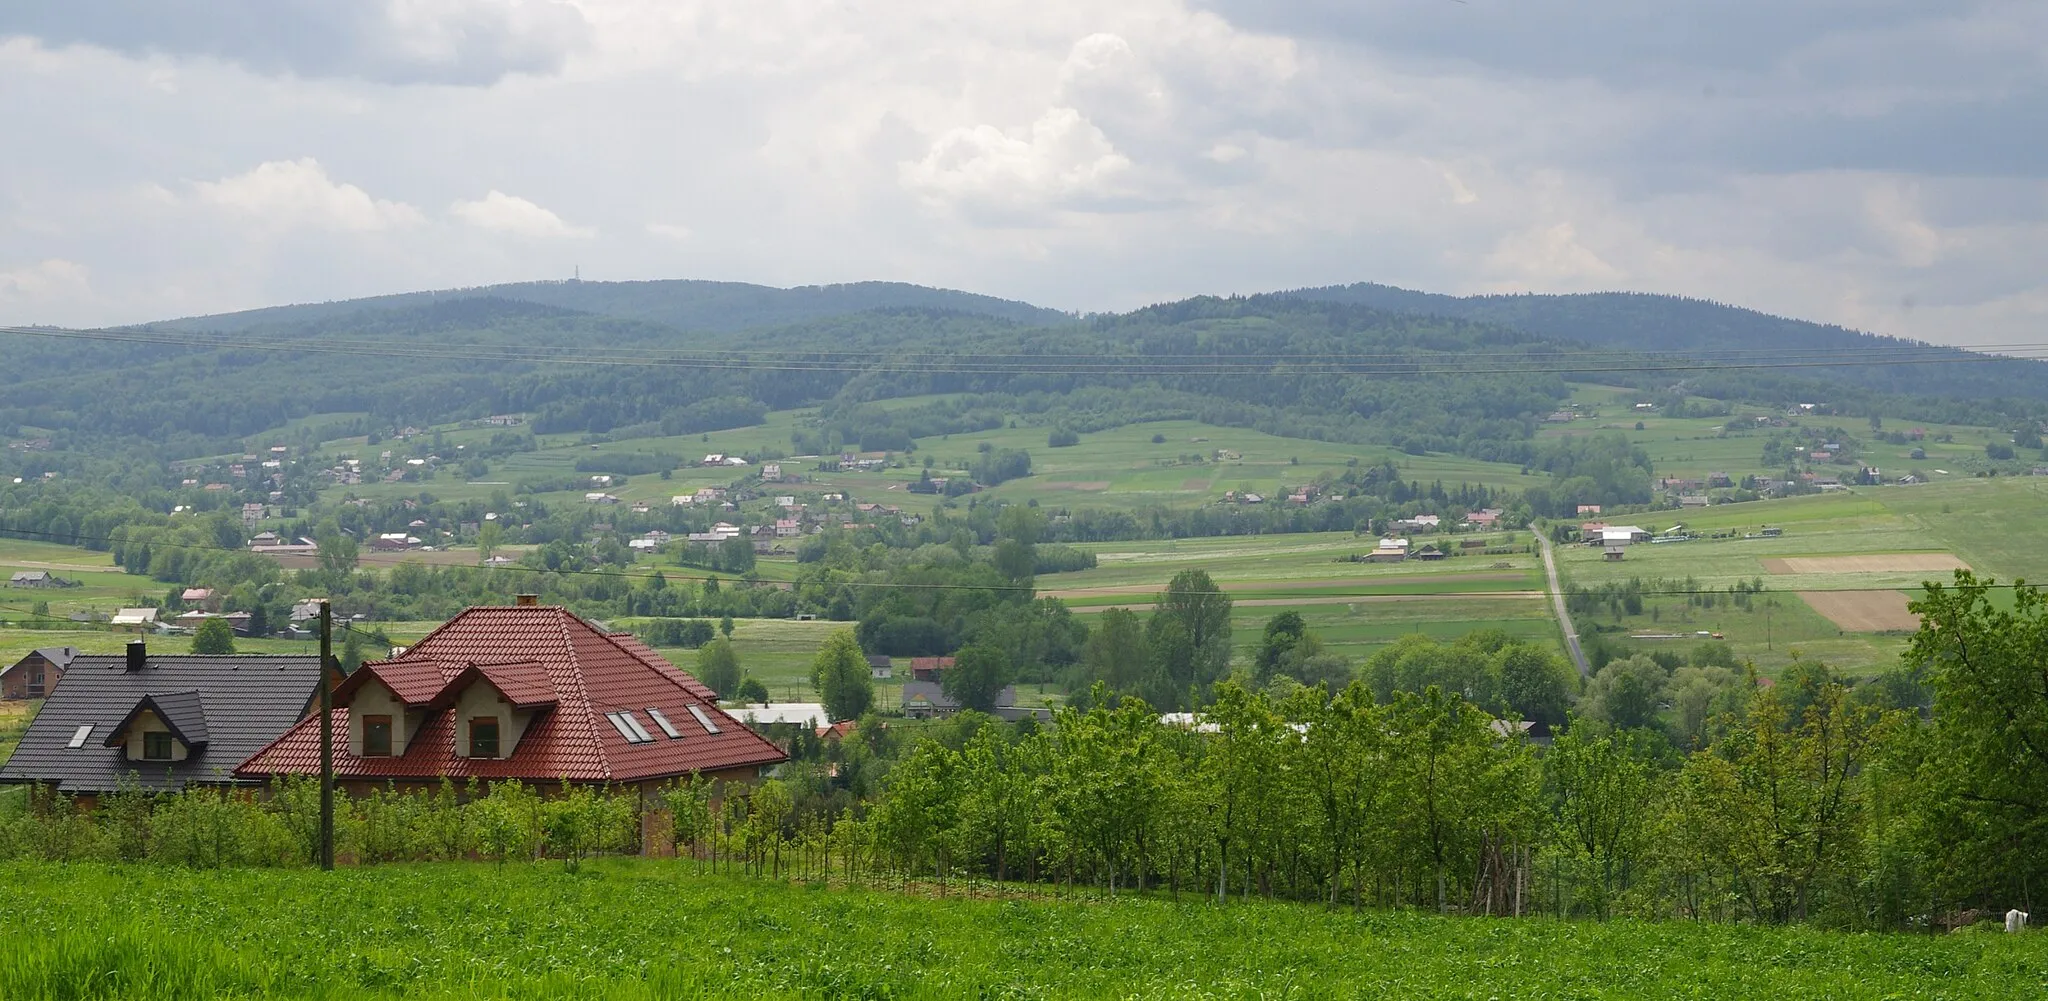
1700 328
681 304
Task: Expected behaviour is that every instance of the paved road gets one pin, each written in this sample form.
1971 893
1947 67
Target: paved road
1564 618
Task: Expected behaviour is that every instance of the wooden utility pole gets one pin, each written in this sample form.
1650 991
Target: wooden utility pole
326 735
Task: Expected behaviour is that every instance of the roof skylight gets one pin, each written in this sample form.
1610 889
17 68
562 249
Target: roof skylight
661 720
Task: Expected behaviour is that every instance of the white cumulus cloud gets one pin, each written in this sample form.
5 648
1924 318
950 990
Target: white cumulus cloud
298 192
44 281
1059 157
499 212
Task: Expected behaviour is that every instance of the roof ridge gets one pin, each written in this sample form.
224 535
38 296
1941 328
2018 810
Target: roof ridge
563 618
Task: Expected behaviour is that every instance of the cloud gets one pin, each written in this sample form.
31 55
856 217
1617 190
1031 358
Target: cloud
53 279
1833 159
1060 159
286 193
392 41
499 212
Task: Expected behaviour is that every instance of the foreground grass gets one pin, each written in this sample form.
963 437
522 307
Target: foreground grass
636 928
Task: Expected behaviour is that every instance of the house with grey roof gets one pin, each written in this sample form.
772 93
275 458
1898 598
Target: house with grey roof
36 673
160 723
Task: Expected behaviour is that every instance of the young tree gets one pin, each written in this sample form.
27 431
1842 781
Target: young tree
488 539
1603 792
725 621
718 667
979 674
214 637
840 674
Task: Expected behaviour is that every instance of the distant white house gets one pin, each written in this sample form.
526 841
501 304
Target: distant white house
1622 535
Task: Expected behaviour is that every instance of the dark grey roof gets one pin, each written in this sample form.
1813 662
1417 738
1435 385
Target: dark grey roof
183 712
61 656
240 703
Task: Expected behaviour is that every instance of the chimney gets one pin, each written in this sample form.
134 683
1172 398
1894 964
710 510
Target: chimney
138 656
526 600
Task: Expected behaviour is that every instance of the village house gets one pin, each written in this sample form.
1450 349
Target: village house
527 692
35 674
924 695
159 723
140 620
879 667
1484 519
1419 523
1586 509
200 597
34 578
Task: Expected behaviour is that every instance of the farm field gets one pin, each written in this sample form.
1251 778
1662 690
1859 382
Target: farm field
1692 447
1119 468
627 929
1840 575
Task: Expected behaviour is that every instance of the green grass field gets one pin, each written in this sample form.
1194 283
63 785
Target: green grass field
1993 525
655 929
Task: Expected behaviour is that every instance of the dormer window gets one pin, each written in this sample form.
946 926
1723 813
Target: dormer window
376 736
483 737
156 745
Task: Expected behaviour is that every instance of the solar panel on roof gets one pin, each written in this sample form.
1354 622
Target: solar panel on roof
639 734
79 735
703 720
667 727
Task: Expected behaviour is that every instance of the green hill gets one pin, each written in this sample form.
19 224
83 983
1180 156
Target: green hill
681 304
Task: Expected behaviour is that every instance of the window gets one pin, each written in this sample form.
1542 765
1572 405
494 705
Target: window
377 736
78 736
629 727
483 737
666 726
156 746
703 720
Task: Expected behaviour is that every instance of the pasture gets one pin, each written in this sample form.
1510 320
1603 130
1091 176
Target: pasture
631 928
1850 561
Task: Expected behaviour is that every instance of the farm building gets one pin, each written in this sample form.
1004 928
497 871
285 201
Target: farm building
1622 535
141 620
35 578
159 722
34 675
879 667
525 692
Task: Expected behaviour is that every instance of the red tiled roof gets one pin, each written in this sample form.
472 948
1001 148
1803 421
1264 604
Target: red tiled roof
587 672
636 647
415 680
930 663
524 684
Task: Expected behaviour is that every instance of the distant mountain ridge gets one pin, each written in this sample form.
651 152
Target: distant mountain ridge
684 304
1640 321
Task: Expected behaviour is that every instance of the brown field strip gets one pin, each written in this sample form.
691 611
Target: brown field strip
1360 599
1078 485
1873 563
1864 611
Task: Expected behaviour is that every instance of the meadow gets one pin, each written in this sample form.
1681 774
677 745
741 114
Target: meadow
622 929
1988 524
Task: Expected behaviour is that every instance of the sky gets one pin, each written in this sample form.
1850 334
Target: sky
1881 164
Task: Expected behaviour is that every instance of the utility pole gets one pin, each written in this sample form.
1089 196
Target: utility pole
326 736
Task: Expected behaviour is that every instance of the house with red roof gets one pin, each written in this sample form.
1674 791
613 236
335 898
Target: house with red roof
525 692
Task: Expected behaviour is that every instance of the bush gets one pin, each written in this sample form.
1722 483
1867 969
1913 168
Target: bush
1062 438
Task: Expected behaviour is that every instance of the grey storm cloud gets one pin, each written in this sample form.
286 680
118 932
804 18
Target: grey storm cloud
467 42
1957 87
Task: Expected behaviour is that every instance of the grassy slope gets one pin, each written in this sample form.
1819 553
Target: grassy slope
632 929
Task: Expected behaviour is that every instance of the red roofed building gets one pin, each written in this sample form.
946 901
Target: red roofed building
928 668
524 692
